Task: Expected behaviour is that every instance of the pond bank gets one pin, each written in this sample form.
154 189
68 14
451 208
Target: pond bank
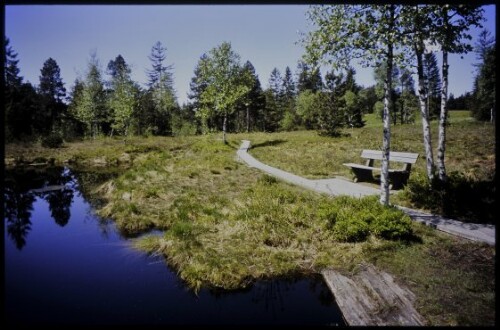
228 225
371 297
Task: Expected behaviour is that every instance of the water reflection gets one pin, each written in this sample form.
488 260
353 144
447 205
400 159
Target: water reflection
56 185
17 208
86 273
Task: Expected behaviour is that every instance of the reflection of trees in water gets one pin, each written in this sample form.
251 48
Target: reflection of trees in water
86 182
17 212
106 226
318 286
271 293
59 200
19 198
60 205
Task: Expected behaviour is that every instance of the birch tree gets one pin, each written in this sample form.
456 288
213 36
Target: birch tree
453 23
369 33
123 99
445 26
418 23
90 108
227 82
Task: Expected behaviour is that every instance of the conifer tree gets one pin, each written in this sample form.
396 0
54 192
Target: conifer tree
160 82
52 92
432 83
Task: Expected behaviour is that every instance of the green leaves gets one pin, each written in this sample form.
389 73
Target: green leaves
226 81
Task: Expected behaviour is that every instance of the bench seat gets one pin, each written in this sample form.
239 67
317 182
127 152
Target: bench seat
397 177
371 168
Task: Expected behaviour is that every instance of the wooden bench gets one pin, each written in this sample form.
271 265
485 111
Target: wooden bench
397 177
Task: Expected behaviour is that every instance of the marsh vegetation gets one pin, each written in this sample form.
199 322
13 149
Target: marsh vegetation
226 225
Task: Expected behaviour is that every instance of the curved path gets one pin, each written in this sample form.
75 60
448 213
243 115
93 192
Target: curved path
333 187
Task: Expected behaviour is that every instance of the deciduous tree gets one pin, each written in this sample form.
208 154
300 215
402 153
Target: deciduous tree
367 32
123 98
227 82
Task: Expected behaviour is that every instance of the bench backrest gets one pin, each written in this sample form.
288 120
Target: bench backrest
402 157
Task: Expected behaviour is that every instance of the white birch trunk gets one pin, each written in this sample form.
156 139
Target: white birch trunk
442 120
386 142
424 111
224 128
248 119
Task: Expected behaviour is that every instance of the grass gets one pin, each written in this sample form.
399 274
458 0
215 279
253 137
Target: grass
227 225
470 160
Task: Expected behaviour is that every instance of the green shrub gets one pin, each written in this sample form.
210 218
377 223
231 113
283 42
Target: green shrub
54 140
349 228
391 224
352 219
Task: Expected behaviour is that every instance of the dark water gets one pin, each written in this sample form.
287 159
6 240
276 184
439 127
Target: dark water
64 265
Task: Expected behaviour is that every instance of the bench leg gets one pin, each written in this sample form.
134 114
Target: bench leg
361 174
398 179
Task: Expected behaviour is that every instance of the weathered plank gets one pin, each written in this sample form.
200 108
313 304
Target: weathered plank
371 297
48 188
403 157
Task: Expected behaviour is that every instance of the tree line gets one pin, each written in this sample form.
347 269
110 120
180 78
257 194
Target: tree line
224 95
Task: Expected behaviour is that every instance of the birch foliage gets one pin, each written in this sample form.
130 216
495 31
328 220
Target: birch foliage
226 82
369 34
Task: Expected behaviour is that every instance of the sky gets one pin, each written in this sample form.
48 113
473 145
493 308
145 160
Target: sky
266 35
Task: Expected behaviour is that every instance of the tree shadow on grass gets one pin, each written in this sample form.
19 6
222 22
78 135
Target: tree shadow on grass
459 198
269 143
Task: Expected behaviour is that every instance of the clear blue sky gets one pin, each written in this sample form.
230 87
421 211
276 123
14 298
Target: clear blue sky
266 35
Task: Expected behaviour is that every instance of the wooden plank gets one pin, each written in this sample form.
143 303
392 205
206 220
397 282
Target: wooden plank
402 157
48 189
372 298
361 166
364 167
372 154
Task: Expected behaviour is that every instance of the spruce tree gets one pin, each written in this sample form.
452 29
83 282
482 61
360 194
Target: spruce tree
51 83
160 82
196 87
254 101
432 83
483 107
11 70
308 78
52 92
276 109
276 84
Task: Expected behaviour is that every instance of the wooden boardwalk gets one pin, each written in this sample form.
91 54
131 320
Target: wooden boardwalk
371 297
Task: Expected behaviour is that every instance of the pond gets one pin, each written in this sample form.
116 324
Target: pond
65 265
